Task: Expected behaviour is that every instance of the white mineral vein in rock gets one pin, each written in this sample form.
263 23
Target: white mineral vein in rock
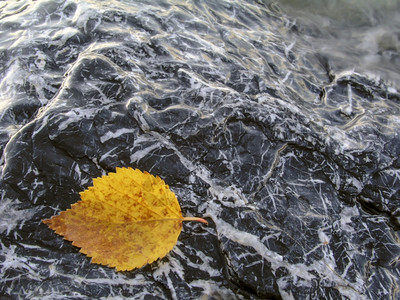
300 271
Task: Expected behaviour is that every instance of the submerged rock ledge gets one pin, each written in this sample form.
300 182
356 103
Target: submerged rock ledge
295 167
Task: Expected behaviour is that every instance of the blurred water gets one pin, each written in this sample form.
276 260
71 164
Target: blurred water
248 109
363 35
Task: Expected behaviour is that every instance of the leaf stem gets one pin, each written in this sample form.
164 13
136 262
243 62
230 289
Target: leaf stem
194 219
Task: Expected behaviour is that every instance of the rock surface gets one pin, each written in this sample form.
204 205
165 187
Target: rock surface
295 167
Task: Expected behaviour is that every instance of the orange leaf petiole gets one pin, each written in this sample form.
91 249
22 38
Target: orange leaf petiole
194 219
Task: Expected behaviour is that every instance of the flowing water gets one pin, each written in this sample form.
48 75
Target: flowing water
360 35
278 121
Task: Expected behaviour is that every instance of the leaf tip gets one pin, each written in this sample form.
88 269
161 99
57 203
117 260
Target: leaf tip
46 221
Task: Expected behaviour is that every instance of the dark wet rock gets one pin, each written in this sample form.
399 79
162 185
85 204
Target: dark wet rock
296 170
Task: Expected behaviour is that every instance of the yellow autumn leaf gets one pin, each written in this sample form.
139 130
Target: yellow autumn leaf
125 220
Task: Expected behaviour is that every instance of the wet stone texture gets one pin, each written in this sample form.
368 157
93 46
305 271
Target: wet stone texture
295 167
